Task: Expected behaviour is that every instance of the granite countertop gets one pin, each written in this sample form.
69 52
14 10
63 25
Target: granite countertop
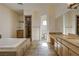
55 35
11 42
73 39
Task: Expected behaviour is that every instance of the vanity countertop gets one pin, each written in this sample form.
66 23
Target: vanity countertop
73 39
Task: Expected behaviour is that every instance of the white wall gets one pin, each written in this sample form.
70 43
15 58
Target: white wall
36 13
59 24
51 18
60 18
35 23
35 26
60 9
69 19
8 22
55 13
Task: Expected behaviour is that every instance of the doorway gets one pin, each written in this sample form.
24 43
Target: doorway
28 30
43 28
77 25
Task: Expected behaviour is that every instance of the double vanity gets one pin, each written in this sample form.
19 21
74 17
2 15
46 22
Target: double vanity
65 45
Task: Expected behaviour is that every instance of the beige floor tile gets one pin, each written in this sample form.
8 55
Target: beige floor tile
40 48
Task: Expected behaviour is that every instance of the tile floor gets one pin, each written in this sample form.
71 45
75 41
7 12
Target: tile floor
40 48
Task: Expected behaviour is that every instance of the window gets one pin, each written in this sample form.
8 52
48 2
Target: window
44 22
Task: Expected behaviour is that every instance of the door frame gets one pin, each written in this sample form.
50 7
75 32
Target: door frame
25 26
77 16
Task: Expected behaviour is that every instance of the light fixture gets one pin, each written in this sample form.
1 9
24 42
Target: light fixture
73 5
20 3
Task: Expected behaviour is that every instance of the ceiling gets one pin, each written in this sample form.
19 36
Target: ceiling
19 7
16 7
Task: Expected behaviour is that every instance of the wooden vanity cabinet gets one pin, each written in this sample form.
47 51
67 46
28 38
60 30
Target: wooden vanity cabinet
65 47
72 53
20 52
56 46
28 43
52 41
65 50
20 33
59 48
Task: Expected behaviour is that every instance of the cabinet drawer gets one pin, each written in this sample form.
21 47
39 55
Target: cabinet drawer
65 50
59 48
56 47
71 53
71 47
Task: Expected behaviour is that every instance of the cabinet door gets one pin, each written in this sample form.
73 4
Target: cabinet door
71 53
59 48
28 43
20 52
19 33
65 50
52 41
55 46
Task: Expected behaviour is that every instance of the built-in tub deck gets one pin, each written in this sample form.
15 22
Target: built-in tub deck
12 46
